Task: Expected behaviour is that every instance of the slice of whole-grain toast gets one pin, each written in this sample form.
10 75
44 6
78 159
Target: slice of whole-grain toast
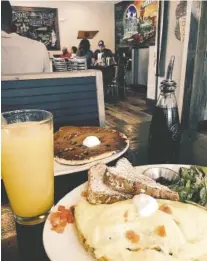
125 178
100 193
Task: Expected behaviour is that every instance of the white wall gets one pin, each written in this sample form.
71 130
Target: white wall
151 73
143 66
174 47
140 59
81 15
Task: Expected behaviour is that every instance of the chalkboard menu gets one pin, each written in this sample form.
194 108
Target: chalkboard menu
37 23
135 23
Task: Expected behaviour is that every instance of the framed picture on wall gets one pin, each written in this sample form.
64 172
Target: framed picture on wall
135 23
37 23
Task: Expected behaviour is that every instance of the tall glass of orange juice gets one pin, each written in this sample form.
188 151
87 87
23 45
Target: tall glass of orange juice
27 164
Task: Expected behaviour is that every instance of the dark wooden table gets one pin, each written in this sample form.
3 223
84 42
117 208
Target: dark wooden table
24 243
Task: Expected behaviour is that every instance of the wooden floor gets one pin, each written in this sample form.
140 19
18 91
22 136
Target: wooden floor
132 117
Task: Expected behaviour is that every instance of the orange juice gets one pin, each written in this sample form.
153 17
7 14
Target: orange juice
27 167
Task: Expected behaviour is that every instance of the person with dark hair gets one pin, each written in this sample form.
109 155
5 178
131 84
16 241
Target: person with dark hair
74 50
20 54
84 50
85 42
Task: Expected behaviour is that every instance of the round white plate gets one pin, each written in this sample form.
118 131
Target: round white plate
61 169
66 246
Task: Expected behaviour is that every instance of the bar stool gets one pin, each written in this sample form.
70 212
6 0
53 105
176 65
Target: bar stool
113 86
121 77
112 90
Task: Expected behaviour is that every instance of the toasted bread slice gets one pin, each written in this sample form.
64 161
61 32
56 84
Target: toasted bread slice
100 193
124 178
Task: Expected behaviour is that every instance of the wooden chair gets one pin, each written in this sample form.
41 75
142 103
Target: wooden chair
74 98
60 64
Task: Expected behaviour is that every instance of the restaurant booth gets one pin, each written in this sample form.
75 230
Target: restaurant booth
119 93
74 98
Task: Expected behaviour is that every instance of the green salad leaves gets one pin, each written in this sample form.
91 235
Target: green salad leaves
192 185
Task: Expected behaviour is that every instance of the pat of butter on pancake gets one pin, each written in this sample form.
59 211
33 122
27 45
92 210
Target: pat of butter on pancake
91 141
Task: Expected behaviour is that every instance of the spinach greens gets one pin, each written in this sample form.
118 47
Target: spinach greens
192 185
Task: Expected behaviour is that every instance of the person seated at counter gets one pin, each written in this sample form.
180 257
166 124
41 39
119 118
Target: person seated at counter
20 54
65 54
102 52
74 50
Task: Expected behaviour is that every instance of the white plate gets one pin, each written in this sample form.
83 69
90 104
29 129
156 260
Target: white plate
61 169
66 246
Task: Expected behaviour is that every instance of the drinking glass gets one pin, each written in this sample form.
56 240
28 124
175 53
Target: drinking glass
27 164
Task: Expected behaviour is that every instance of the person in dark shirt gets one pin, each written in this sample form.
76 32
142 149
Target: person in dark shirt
85 42
84 50
81 51
102 52
89 57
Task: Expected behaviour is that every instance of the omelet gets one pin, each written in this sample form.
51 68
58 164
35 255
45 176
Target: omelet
116 232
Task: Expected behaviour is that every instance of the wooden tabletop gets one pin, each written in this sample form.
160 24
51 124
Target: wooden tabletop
25 242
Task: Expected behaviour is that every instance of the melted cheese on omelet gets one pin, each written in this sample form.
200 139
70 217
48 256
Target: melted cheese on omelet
105 226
